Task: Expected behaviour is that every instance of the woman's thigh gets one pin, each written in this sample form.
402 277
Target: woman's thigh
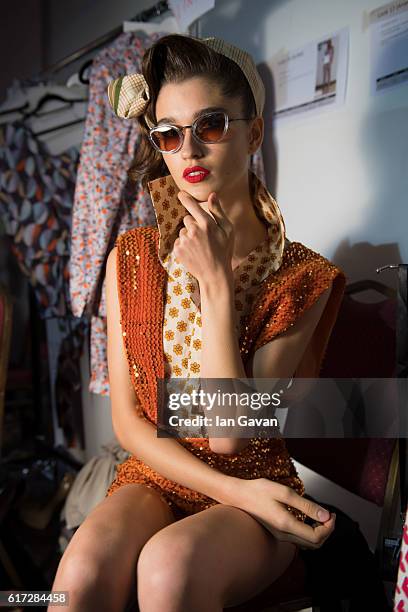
222 552
105 548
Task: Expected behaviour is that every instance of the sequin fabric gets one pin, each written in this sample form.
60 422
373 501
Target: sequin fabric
283 297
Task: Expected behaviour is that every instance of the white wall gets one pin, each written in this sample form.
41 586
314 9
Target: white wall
341 177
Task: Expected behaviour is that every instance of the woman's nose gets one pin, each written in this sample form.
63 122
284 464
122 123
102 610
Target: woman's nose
191 147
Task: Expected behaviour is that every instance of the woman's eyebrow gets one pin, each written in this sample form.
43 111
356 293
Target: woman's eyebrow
209 109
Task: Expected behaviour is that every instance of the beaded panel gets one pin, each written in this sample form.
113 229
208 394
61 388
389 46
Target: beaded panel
141 286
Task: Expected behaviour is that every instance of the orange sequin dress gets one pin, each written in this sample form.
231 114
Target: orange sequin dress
280 294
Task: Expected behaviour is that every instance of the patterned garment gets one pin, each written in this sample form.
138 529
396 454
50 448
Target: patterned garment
36 196
401 592
106 203
182 320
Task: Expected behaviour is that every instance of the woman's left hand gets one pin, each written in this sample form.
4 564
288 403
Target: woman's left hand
205 246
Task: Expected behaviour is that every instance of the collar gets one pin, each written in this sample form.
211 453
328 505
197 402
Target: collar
169 213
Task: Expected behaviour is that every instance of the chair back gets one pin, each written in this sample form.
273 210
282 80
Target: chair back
362 345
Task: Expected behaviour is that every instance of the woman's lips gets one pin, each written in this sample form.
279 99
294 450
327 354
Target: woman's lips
196 174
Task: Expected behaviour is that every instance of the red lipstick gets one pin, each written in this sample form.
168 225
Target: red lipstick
195 174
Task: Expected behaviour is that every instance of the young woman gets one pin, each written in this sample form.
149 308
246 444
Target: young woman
215 291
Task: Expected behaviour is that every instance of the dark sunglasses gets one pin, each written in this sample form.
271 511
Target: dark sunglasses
207 129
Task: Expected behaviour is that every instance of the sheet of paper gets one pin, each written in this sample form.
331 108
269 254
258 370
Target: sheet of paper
389 46
312 76
187 11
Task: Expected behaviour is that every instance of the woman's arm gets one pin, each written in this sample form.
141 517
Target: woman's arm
221 357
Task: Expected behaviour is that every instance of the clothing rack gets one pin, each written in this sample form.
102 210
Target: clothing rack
155 11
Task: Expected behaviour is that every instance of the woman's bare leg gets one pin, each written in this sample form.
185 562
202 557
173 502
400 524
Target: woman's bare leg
98 567
211 560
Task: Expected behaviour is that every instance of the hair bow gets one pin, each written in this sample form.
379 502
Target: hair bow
129 95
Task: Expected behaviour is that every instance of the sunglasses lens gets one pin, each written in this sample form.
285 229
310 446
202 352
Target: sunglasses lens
166 138
211 128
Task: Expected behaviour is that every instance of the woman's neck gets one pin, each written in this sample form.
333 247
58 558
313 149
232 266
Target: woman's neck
249 230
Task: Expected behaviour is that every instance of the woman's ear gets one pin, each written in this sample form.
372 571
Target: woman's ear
256 133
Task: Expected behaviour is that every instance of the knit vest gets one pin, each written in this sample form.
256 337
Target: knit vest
282 299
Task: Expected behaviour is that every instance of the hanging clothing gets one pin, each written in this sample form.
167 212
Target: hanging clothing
293 282
105 203
36 196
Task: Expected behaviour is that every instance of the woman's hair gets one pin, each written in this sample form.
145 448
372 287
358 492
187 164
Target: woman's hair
173 59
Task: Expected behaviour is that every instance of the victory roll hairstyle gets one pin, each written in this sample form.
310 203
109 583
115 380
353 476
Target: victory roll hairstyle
174 59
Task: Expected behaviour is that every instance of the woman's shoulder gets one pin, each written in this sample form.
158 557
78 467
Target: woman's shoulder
296 253
145 232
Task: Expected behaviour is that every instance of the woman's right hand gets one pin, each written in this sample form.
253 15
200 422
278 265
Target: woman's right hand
266 501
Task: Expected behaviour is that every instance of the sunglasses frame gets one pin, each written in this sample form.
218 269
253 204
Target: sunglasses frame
180 130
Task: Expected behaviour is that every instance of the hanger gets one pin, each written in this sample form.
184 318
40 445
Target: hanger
365 285
158 9
17 109
49 97
82 71
59 127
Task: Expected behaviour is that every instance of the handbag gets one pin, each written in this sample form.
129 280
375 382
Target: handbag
91 484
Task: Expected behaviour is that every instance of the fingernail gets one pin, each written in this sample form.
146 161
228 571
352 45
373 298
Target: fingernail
323 514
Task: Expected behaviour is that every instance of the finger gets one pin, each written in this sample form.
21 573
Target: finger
307 506
304 544
314 535
189 221
311 541
194 208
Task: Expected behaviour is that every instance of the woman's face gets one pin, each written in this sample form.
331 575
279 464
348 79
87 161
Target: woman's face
227 160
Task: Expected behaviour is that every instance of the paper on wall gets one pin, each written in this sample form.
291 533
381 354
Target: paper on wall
389 46
312 76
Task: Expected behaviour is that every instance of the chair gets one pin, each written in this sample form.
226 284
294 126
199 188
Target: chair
362 344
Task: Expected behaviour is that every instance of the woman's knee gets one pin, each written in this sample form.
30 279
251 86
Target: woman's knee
88 557
167 563
81 568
